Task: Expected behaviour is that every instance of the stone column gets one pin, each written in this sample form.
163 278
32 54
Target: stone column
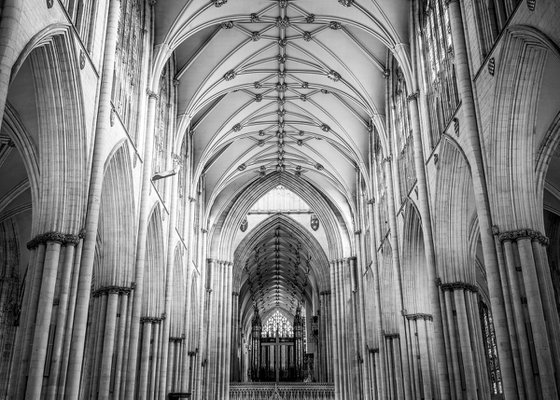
358 294
168 285
519 319
538 323
94 201
70 317
43 318
381 384
56 360
146 324
130 380
108 344
334 316
425 214
397 275
474 154
24 335
120 346
235 365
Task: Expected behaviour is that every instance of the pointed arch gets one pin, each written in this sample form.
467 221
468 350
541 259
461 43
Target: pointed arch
454 206
154 278
414 268
225 228
117 226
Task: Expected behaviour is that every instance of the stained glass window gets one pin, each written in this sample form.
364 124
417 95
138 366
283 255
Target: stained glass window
441 83
491 349
277 323
403 133
492 18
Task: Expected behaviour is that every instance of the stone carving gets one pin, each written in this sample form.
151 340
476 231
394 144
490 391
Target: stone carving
258 97
62 238
335 25
227 25
82 59
333 75
254 17
228 76
458 286
491 66
236 127
417 316
325 128
219 3
282 22
310 18
524 234
257 85
307 36
282 42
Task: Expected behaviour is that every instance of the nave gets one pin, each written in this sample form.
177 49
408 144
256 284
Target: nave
279 199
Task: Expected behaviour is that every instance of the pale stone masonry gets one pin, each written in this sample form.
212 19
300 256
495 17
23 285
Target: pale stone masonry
280 199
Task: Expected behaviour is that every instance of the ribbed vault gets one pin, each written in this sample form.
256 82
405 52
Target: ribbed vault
276 86
280 265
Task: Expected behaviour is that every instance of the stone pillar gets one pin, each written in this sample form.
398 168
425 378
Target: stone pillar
43 319
380 370
94 201
519 330
474 155
108 344
61 320
397 276
168 286
130 380
425 214
120 346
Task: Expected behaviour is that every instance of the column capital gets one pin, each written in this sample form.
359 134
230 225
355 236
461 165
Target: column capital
151 94
523 234
111 290
413 96
417 316
63 238
451 286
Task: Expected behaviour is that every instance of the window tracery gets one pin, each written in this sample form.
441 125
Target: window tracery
403 134
437 47
128 63
491 348
277 323
492 18
162 126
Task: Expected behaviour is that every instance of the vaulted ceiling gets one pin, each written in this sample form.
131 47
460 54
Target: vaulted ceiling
281 86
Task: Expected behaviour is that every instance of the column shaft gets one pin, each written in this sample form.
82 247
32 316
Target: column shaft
43 321
94 201
538 324
60 321
120 347
519 319
108 345
69 320
474 154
